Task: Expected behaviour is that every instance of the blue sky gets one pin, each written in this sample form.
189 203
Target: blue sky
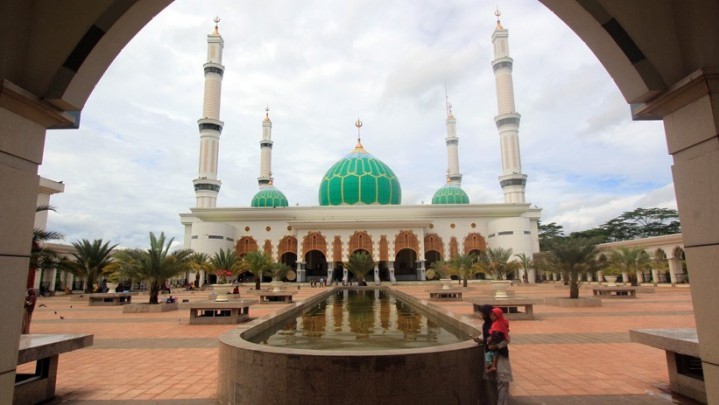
319 65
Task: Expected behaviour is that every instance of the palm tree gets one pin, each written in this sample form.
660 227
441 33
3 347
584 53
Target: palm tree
525 263
359 264
441 268
630 260
89 260
463 266
155 265
199 262
572 257
41 257
496 262
279 271
257 263
227 262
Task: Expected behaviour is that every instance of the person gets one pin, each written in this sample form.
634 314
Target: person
503 376
29 307
236 290
498 332
322 282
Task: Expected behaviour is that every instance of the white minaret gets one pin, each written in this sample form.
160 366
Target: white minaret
206 184
266 151
454 177
512 180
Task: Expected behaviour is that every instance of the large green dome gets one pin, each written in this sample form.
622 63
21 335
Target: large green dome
360 178
269 196
450 194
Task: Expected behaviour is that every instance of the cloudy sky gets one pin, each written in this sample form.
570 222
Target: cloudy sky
320 65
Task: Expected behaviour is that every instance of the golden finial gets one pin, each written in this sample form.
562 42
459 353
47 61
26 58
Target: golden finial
498 13
358 124
217 21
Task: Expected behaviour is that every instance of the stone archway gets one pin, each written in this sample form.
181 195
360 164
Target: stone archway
360 240
245 245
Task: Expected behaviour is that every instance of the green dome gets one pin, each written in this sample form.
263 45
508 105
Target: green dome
269 196
360 178
450 194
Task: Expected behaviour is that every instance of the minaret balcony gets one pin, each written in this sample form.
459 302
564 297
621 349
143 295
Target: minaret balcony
211 67
205 184
211 124
514 179
507 119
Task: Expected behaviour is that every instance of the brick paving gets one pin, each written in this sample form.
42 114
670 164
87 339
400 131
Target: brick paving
565 356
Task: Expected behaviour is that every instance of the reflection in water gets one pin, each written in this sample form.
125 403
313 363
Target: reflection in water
360 320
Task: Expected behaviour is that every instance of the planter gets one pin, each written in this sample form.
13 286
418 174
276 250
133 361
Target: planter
446 283
112 287
221 291
500 288
277 286
611 280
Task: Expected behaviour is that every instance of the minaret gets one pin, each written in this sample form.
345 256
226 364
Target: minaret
512 180
266 151
206 184
454 177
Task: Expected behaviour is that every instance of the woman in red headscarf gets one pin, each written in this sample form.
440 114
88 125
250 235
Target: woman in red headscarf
498 333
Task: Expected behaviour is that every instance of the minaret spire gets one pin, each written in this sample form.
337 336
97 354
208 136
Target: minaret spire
266 151
207 186
512 180
454 177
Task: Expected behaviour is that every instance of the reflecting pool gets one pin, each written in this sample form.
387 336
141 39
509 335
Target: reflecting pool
366 319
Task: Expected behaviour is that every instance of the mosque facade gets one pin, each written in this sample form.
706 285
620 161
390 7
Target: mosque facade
360 201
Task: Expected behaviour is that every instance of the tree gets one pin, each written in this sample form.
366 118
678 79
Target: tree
630 260
257 263
524 263
359 264
199 262
463 265
637 224
495 262
41 257
279 271
549 231
155 265
571 257
89 261
440 268
227 262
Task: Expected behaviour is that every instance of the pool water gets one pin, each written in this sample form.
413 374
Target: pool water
365 319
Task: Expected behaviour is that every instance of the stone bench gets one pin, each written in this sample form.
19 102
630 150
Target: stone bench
510 306
683 362
275 296
45 350
615 292
99 299
445 294
218 312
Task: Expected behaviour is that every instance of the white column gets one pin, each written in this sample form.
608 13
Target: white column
330 271
655 276
376 274
512 180
207 186
392 279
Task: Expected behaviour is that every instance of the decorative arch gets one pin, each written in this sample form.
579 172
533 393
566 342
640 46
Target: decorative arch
433 242
474 241
360 240
383 249
288 244
314 241
406 240
268 247
337 249
245 245
453 247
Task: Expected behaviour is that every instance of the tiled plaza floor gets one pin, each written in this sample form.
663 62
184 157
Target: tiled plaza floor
565 356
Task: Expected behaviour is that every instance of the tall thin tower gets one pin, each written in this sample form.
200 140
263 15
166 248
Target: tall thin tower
512 180
266 151
207 186
453 175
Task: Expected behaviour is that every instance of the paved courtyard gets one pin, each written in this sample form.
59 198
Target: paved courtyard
565 356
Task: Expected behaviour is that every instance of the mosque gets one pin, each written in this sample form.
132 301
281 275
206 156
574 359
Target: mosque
360 200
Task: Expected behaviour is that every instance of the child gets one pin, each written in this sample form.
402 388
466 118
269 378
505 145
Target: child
498 332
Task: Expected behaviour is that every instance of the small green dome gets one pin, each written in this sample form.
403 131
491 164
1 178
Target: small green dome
269 196
360 178
450 194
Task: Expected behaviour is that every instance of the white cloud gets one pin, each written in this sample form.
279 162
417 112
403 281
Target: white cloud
320 64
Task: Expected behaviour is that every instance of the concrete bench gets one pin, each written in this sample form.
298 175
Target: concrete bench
510 306
45 350
275 296
686 376
615 292
98 299
218 312
445 294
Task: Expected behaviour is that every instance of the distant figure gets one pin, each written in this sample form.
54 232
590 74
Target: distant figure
524 278
67 290
30 300
171 300
322 282
236 290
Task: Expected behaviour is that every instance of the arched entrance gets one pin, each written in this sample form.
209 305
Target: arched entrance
315 264
405 265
